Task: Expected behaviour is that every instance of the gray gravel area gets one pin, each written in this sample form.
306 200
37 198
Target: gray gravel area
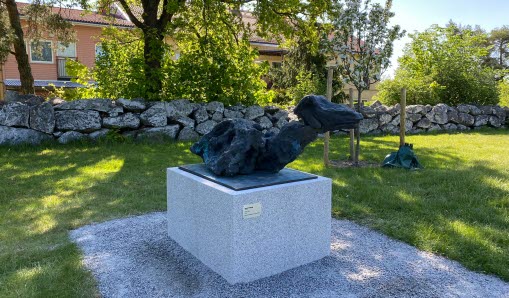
133 257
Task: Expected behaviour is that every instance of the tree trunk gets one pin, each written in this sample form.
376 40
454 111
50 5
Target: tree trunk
20 52
153 52
357 130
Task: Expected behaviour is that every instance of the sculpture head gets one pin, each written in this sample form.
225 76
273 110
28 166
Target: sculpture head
323 115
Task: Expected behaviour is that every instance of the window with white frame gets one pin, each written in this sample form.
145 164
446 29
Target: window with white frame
41 51
66 51
98 50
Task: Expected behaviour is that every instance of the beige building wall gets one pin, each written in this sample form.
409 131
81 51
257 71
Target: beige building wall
367 95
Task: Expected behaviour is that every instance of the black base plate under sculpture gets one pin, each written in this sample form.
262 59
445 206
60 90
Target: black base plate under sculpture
254 180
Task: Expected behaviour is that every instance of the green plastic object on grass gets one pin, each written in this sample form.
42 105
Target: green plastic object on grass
403 158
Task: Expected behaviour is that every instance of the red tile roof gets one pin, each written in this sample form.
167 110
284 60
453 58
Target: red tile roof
81 16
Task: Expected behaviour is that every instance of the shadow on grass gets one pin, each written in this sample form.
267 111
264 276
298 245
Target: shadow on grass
45 191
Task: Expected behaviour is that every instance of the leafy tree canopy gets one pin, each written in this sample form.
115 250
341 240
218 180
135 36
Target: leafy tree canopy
169 18
443 64
363 41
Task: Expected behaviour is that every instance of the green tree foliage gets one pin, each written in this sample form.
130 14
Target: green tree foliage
503 88
303 72
119 67
443 64
215 63
499 50
363 42
167 18
212 65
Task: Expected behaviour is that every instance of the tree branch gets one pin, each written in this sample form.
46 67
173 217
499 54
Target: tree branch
128 11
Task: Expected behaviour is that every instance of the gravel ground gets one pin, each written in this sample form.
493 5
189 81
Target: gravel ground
133 257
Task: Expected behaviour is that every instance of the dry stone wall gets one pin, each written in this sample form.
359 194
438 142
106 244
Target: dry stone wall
380 119
30 119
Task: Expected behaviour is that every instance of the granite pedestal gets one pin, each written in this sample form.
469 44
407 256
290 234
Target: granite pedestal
245 235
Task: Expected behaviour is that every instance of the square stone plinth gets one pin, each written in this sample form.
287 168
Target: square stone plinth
249 234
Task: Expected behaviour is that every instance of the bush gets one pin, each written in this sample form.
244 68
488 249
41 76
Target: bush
443 65
209 68
503 88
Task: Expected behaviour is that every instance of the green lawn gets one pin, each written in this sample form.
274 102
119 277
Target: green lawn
458 206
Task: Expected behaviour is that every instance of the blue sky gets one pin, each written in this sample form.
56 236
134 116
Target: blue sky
418 15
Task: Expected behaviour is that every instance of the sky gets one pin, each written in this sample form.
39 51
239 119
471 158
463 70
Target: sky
418 15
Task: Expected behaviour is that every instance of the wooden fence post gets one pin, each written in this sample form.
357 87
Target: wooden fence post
330 73
352 131
402 119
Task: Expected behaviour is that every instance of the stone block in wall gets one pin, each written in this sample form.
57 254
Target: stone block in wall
495 121
201 115
450 127
376 104
28 99
71 136
42 118
183 121
232 114
96 104
481 120
423 123
99 134
271 109
384 119
254 112
280 123
415 109
469 109
368 125
434 127
395 110
500 113
127 120
155 115
462 127
280 114
134 105
380 109
273 130
452 115
465 119
115 111
438 114
188 134
215 107
486 110
390 129
217 117
17 114
368 112
77 120
169 131
264 122
239 108
18 136
182 107
205 127
414 117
